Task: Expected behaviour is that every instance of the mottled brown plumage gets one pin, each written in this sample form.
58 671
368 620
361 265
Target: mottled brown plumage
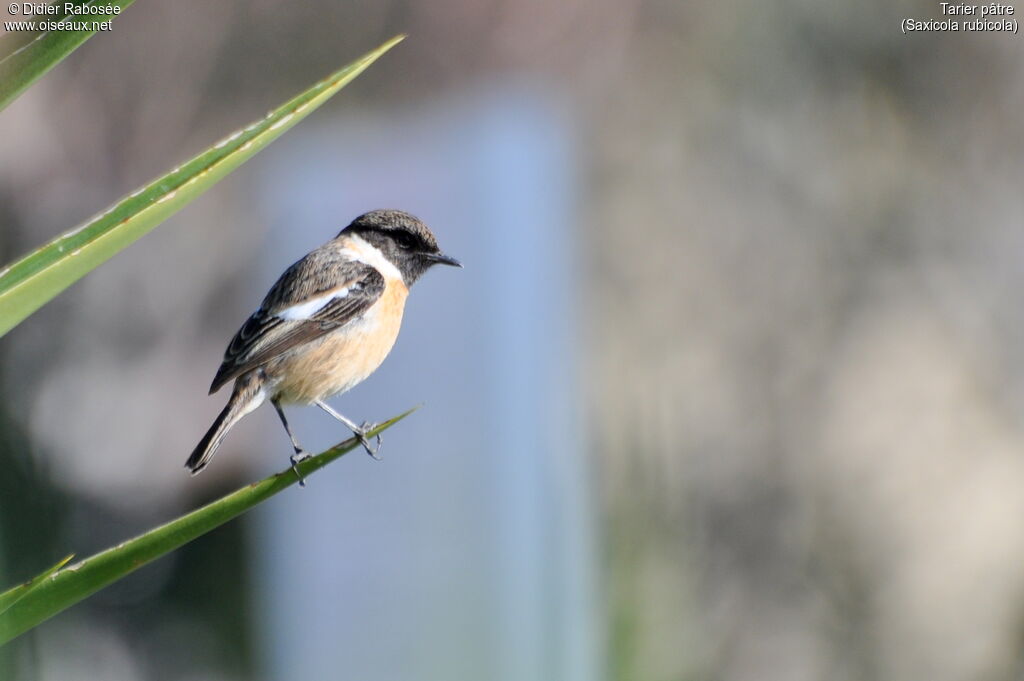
265 335
326 324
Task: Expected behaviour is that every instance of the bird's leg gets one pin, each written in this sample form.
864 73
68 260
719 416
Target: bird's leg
300 454
358 431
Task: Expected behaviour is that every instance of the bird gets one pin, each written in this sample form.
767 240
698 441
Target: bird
326 324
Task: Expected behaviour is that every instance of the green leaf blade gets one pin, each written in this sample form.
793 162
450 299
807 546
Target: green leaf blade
15 594
24 59
61 587
29 283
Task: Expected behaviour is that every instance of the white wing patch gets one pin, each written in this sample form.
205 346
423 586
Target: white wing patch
306 310
359 250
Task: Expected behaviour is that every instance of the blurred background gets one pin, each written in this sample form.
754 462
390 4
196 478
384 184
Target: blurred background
728 389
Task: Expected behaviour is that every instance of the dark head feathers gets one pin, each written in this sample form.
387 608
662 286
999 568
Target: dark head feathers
397 225
403 238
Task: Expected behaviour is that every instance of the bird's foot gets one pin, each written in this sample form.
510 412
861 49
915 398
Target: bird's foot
296 458
365 427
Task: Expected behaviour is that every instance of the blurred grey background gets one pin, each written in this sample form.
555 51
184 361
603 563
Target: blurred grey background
786 343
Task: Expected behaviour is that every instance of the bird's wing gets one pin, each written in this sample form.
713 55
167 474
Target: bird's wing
316 295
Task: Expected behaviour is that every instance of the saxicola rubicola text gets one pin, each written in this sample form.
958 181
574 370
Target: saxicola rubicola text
327 324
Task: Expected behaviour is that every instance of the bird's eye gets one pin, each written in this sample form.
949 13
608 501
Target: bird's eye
404 241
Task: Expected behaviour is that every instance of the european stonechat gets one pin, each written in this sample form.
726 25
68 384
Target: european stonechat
327 324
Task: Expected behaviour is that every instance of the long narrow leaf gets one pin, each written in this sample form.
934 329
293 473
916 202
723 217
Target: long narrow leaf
32 281
71 584
26 55
12 596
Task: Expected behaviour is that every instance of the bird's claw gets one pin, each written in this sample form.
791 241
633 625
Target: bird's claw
364 427
296 458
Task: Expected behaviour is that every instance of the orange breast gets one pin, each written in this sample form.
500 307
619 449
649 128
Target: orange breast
341 359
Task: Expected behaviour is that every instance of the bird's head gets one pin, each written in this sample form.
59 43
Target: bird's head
403 239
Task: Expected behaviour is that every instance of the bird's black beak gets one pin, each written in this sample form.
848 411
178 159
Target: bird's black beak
441 259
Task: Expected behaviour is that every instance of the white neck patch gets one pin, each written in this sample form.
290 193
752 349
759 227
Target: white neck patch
363 251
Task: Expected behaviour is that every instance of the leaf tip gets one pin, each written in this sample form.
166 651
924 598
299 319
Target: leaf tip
388 44
396 419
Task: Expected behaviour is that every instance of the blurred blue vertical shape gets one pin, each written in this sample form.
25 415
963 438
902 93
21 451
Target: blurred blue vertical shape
468 552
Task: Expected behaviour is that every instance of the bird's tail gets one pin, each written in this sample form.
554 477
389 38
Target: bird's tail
246 396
